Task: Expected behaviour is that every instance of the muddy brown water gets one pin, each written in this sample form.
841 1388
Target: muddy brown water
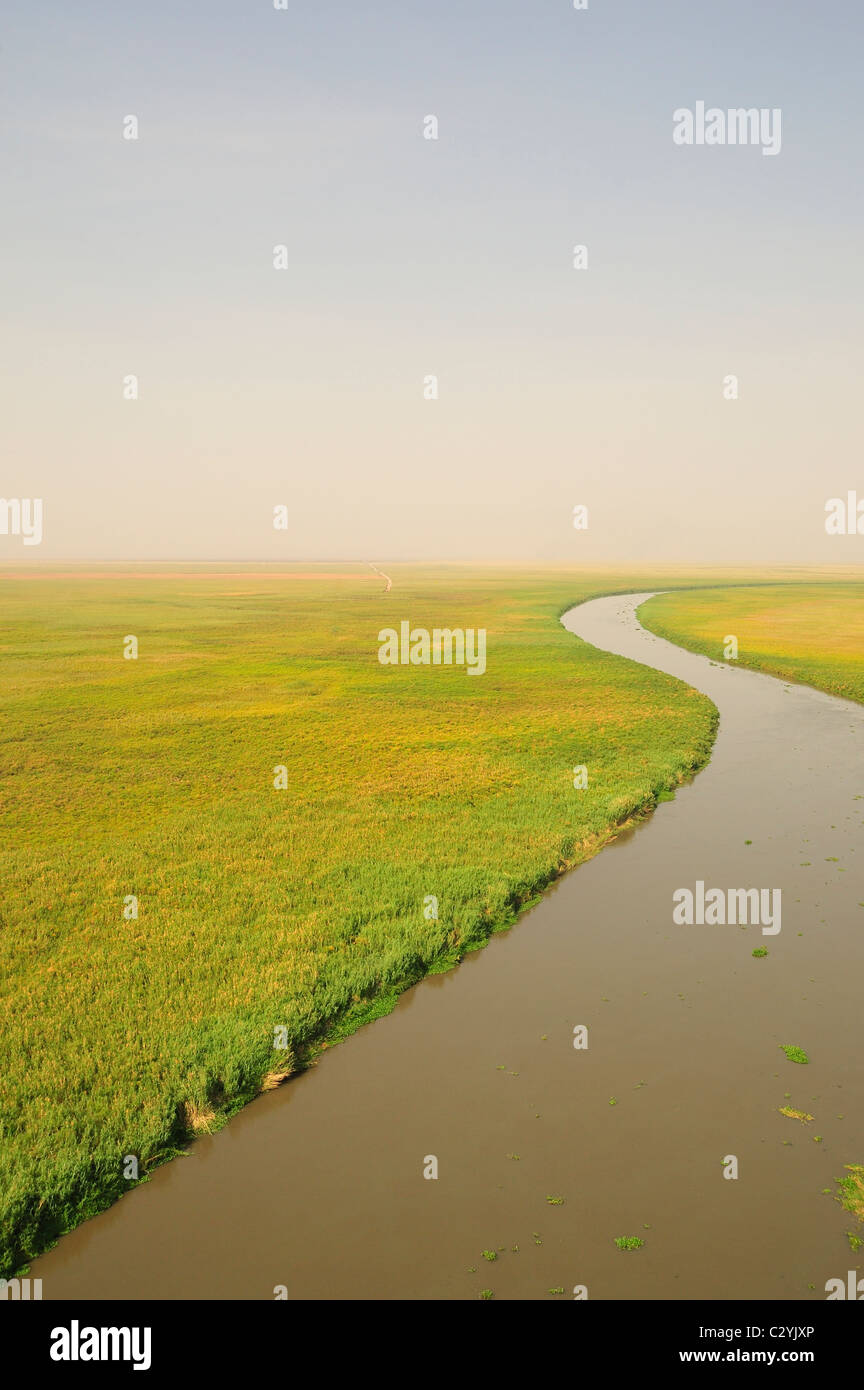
319 1186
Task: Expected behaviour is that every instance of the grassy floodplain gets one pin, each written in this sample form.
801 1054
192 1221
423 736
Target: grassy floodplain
812 633
260 908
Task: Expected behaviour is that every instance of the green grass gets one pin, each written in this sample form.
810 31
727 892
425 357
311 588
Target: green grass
808 633
259 908
850 1191
793 1114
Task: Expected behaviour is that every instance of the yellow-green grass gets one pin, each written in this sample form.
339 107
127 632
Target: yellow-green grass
258 907
811 633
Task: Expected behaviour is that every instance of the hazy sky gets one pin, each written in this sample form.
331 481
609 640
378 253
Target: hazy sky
408 257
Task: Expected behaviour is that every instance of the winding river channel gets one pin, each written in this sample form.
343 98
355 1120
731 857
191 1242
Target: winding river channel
319 1186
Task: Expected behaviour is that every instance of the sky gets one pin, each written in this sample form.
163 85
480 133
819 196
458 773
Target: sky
305 387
